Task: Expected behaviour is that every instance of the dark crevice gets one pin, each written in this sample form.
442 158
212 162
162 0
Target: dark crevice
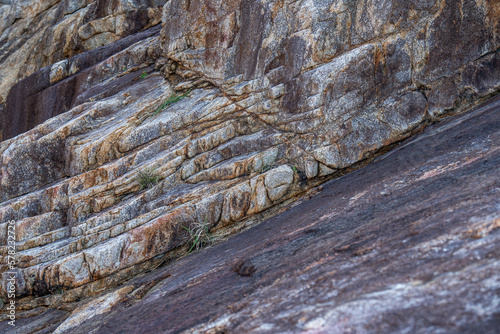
487 54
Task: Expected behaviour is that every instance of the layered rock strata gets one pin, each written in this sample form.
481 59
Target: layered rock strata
236 108
38 33
407 244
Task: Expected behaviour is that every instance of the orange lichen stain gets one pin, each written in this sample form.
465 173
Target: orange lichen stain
276 8
482 231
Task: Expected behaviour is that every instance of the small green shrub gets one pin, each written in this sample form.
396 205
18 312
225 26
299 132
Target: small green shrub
168 102
148 178
143 75
199 236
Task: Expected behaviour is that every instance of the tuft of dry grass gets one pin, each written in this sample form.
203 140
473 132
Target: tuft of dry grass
199 236
148 178
168 102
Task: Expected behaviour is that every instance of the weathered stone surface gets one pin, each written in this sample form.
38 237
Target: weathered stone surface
272 98
38 33
406 244
68 83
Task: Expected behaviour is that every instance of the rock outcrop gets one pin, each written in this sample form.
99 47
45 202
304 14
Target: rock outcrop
230 111
407 244
36 34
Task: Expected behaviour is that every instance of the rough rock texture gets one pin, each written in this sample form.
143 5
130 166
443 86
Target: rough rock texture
238 107
38 33
408 244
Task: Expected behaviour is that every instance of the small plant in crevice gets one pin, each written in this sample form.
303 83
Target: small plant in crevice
143 75
265 168
199 236
56 290
148 178
168 102
268 165
301 174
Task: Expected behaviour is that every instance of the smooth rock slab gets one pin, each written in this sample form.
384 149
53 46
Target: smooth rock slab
406 244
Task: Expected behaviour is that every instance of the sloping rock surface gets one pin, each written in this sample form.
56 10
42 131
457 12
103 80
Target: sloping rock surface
38 33
408 244
229 110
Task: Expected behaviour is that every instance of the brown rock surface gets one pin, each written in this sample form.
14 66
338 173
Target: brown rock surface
406 244
39 33
229 111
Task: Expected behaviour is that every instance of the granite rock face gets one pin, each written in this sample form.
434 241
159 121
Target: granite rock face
35 34
407 244
235 108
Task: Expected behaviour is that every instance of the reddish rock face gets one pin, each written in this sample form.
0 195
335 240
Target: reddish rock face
140 134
